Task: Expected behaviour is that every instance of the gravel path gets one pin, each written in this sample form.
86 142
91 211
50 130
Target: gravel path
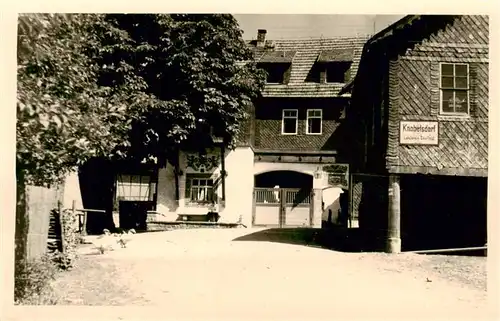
196 273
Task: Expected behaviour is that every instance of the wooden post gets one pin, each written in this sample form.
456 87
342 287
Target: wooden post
223 172
73 211
176 176
393 242
84 227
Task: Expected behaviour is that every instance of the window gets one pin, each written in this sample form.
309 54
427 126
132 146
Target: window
275 72
455 89
314 121
135 188
338 72
289 123
199 189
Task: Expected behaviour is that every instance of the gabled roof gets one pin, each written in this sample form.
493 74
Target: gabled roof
277 56
306 54
339 55
400 32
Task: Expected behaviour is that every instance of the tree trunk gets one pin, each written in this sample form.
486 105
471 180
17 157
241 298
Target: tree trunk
22 220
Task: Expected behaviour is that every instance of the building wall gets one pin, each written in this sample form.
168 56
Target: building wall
239 188
415 95
268 124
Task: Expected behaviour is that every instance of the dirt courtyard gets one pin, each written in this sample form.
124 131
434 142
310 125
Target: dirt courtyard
206 272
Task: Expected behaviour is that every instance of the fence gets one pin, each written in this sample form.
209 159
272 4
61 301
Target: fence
292 196
39 203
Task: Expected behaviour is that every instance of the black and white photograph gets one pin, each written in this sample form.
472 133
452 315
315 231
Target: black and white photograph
218 165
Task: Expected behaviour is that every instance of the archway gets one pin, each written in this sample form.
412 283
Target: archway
284 179
283 198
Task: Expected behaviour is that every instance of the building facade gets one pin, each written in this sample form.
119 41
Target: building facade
419 122
290 164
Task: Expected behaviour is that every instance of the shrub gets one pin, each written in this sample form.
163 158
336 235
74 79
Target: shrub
32 281
71 237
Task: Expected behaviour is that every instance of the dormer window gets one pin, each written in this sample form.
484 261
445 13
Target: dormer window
275 72
338 72
332 66
277 64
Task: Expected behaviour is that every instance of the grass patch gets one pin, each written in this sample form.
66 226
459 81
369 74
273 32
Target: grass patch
32 281
96 281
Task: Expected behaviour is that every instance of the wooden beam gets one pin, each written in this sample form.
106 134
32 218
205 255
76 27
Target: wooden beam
393 242
474 172
295 159
461 249
294 152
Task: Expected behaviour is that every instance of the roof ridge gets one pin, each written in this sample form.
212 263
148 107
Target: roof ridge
358 37
361 37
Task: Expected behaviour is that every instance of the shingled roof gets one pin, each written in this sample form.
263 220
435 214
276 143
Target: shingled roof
305 53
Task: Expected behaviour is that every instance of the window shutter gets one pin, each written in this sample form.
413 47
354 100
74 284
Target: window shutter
473 89
435 89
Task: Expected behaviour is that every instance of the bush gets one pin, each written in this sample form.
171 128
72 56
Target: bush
71 236
32 281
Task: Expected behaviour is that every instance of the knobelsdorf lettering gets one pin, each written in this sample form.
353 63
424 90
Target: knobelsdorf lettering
419 133
419 128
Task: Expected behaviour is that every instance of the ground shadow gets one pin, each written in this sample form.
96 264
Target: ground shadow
333 238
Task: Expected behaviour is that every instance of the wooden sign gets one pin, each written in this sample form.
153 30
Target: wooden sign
419 133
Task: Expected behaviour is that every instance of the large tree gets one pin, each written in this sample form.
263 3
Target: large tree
196 81
139 86
64 116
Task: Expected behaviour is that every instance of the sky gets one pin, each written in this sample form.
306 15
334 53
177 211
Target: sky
297 26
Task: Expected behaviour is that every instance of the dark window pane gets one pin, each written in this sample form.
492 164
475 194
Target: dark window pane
461 70
275 77
290 113
337 71
447 82
461 102
447 70
461 82
448 101
314 113
289 125
275 72
314 125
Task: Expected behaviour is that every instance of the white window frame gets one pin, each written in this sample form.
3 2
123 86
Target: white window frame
312 117
145 183
289 117
207 188
441 88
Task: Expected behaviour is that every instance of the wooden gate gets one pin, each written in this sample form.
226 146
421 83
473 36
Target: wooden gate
282 207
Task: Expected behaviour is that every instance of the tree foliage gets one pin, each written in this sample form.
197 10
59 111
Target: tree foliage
196 81
129 85
64 117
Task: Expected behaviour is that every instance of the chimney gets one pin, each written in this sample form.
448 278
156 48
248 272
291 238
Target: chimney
261 37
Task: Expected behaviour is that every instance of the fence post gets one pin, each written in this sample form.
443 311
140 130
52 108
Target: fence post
84 225
393 242
350 205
